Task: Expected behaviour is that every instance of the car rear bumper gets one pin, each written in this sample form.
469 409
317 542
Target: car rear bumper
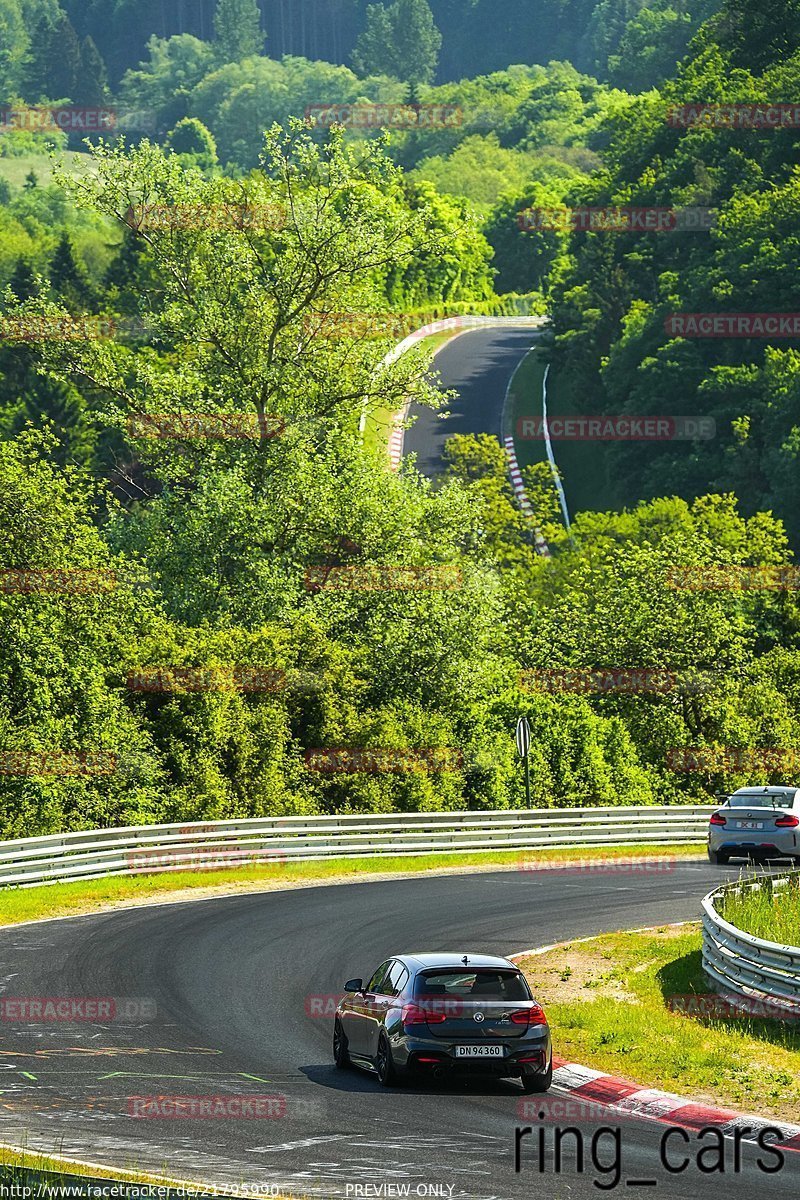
773 843
431 1055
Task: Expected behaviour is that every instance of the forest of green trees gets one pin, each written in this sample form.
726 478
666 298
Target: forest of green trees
210 541
626 41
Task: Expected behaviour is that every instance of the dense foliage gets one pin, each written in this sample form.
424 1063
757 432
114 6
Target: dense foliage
224 551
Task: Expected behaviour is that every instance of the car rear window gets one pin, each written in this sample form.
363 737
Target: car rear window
473 985
762 800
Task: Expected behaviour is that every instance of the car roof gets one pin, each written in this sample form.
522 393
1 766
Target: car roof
772 789
421 962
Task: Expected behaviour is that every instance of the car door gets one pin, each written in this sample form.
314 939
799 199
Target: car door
359 1023
388 987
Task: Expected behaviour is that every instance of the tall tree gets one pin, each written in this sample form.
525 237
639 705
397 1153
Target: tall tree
13 45
23 280
92 89
67 278
237 29
34 75
58 63
401 40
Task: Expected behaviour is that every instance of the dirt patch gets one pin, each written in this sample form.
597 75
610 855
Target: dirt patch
575 972
583 969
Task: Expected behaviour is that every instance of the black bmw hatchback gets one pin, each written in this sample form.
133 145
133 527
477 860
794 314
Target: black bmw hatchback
435 1014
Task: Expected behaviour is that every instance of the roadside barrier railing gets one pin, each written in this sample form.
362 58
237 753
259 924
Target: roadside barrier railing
209 845
742 965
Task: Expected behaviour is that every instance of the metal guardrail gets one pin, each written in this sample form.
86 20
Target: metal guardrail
209 845
746 966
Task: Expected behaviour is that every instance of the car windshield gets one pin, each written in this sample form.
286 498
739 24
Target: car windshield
762 800
474 985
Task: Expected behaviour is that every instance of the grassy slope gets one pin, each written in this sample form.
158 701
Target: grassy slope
581 463
14 170
606 1001
773 918
18 1163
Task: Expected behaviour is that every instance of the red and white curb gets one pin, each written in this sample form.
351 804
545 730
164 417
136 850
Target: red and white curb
398 433
587 1087
590 1087
522 496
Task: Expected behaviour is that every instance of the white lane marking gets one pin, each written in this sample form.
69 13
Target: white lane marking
302 1143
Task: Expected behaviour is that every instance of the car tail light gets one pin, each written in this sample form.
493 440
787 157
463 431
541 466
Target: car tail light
717 819
789 821
415 1014
530 1016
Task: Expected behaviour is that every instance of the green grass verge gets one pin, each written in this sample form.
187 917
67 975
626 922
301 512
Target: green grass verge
15 169
775 917
16 1164
581 464
380 422
27 1169
65 899
607 1003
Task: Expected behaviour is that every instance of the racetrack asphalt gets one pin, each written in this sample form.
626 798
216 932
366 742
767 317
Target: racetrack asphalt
235 982
479 365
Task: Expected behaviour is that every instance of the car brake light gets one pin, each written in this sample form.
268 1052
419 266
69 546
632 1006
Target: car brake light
789 821
415 1014
717 819
529 1016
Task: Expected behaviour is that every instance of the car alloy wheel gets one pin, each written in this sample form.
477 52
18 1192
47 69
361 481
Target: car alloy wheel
384 1064
340 1054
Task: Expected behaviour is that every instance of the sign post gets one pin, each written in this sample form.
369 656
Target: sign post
523 739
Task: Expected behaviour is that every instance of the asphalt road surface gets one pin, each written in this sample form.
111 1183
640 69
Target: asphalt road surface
233 984
479 365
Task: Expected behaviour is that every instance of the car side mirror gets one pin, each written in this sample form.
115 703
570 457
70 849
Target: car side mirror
354 985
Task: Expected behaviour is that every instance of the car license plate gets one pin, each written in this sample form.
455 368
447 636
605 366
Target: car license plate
479 1051
751 824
